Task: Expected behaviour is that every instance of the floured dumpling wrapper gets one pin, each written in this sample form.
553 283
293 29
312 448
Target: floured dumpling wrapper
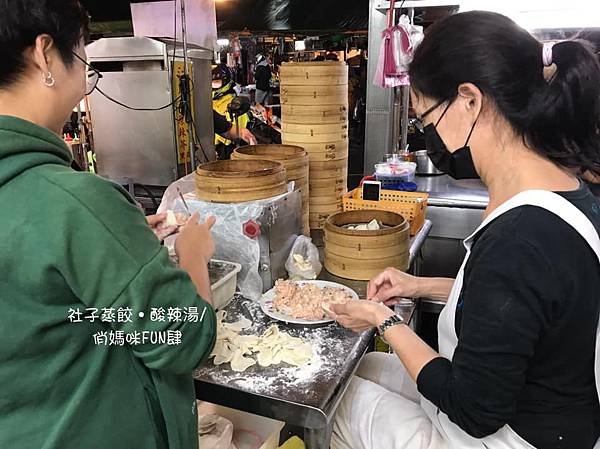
271 348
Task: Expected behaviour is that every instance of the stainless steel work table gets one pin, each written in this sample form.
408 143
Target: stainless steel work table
306 397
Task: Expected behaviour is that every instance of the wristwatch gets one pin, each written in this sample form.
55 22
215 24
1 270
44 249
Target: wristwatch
390 322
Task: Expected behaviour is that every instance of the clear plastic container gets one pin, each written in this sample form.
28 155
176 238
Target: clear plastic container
389 173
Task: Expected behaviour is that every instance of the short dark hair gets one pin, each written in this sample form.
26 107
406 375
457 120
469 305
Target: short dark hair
22 21
558 118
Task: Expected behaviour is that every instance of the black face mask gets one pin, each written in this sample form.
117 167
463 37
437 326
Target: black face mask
458 164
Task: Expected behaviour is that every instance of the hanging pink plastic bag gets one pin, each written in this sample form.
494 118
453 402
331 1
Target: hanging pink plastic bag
397 48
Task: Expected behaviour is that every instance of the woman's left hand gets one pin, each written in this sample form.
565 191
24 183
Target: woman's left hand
359 316
156 223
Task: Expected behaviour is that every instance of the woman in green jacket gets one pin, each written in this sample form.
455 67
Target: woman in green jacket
99 337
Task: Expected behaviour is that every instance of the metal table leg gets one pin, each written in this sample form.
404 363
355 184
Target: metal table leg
318 438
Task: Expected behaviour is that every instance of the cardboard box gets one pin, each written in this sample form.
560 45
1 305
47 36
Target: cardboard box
247 427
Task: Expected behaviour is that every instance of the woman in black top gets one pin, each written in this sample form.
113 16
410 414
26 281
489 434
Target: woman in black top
518 365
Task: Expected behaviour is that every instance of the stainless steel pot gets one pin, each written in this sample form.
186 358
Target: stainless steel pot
424 164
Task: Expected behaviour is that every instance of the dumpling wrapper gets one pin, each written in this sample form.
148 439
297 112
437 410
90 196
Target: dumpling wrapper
223 354
239 363
298 356
265 357
240 325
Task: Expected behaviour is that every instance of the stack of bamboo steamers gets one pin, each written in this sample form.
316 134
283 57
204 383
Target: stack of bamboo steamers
314 110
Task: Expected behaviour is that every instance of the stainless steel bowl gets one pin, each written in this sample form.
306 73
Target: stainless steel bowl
424 164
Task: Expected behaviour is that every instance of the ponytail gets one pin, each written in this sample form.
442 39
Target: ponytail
564 113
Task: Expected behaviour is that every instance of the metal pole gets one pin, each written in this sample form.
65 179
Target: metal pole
186 98
405 104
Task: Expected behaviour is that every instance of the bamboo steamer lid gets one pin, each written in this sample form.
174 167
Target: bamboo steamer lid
361 255
239 181
321 73
291 114
314 95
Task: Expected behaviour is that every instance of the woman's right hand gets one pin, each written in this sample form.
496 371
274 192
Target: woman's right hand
195 242
392 285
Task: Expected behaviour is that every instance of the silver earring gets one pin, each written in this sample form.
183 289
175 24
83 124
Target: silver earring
48 79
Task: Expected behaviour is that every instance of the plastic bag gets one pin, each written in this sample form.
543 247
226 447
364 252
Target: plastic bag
303 262
231 244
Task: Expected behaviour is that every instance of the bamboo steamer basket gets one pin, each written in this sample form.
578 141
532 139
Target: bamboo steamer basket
326 203
320 73
307 115
362 255
315 95
323 152
302 139
293 158
336 191
328 183
329 208
310 130
239 181
329 170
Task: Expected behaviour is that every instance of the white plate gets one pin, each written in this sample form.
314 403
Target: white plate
266 303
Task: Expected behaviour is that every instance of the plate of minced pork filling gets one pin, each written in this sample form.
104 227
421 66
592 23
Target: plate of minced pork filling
304 302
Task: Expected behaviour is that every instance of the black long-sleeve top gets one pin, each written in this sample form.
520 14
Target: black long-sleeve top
526 323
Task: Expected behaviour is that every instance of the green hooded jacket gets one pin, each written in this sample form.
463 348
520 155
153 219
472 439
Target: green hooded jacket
73 242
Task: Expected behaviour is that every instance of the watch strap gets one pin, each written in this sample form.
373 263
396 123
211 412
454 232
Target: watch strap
391 321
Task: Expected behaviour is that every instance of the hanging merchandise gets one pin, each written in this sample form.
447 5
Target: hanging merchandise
397 48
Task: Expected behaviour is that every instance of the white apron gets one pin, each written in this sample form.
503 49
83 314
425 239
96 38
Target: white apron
505 438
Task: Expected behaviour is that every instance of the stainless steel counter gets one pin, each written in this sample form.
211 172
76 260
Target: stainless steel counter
456 209
445 191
